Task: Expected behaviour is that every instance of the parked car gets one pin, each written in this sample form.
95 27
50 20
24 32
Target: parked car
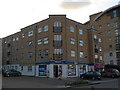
91 75
9 73
110 73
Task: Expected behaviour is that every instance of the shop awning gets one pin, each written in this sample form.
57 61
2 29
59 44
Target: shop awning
98 65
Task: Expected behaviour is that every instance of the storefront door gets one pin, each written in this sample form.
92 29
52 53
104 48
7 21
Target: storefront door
55 70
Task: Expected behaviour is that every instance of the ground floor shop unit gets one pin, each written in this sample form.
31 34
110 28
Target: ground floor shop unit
53 69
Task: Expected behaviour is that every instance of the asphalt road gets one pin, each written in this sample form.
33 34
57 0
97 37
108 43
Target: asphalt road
37 82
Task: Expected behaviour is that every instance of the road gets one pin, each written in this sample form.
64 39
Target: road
37 82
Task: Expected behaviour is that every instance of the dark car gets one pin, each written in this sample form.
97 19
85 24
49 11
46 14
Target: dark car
11 73
91 75
110 73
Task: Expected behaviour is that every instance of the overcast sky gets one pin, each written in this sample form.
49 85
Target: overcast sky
17 14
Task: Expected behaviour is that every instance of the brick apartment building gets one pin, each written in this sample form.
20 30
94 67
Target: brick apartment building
61 45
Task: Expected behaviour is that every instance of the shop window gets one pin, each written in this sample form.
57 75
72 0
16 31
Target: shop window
29 68
71 70
82 69
42 70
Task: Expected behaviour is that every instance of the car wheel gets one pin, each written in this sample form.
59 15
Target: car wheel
19 74
93 78
113 76
82 77
8 75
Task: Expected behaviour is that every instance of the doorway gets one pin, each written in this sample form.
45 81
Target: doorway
56 71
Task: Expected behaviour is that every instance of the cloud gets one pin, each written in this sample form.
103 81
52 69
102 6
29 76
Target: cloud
75 4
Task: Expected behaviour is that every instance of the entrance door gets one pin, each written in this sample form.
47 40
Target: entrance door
55 70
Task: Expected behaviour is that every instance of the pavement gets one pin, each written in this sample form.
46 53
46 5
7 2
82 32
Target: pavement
38 82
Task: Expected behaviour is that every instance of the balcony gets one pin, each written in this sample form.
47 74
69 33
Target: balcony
57 57
57 43
57 29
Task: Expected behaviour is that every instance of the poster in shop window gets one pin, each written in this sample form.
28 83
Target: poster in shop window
42 70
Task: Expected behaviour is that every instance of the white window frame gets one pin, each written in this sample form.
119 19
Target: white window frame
81 54
71 29
46 40
39 29
57 24
72 41
81 43
39 41
80 31
46 28
72 53
30 33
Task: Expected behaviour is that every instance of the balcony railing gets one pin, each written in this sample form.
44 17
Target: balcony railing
57 57
57 43
57 29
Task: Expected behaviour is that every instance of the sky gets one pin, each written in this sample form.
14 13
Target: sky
17 14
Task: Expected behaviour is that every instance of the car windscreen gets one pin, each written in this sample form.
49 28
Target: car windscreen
98 73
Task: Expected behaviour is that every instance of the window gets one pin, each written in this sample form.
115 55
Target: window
100 48
57 37
81 43
118 62
108 24
100 57
109 31
46 53
21 68
71 29
16 48
39 41
100 40
110 46
115 24
100 20
110 54
30 33
95 36
22 55
93 26
46 28
116 32
110 39
29 68
17 39
22 46
100 26
30 55
46 40
39 30
16 57
118 54
57 24
30 43
96 56
72 40
72 53
81 54
80 31
40 53
23 35
13 39
57 51
111 62
5 42
114 13
71 70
